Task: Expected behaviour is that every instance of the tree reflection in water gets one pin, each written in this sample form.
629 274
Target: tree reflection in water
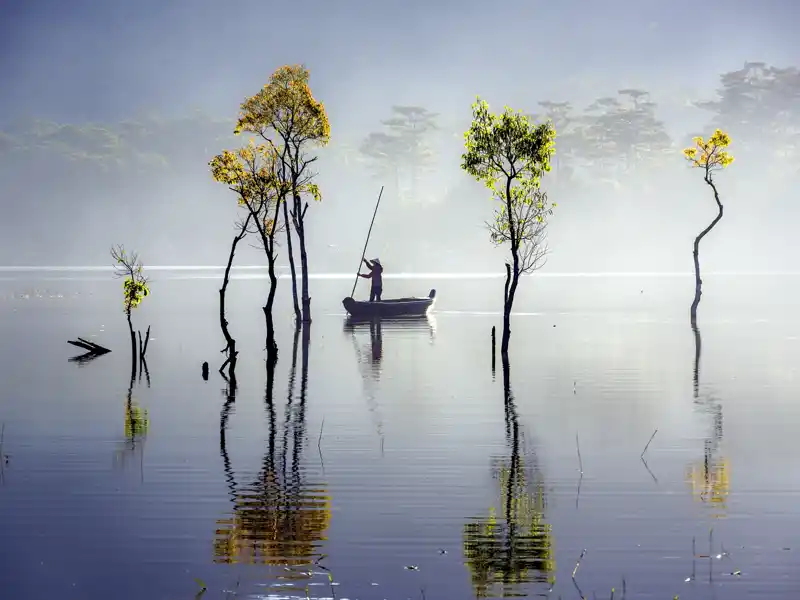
709 478
136 426
278 519
514 547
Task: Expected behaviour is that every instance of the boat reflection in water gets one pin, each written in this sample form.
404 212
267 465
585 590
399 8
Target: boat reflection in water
398 327
370 360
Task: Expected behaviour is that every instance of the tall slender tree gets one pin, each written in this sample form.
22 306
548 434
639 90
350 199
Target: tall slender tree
230 342
253 173
509 154
709 156
287 117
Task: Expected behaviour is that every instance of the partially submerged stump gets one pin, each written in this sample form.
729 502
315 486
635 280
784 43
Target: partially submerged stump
93 350
143 347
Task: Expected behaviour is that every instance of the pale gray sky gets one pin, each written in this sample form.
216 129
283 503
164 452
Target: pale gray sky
107 61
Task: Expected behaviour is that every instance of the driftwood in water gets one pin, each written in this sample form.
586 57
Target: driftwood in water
93 350
89 346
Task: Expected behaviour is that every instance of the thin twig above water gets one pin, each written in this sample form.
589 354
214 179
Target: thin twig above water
648 442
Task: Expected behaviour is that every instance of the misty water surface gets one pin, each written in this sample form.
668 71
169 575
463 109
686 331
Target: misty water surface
398 446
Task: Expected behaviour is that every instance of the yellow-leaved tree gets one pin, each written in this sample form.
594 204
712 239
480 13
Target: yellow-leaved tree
287 117
709 156
252 172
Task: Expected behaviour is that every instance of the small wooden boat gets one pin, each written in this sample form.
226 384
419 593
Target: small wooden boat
395 307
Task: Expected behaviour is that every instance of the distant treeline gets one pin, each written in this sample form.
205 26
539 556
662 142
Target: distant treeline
150 174
758 104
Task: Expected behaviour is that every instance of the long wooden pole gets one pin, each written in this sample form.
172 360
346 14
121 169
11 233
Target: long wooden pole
364 253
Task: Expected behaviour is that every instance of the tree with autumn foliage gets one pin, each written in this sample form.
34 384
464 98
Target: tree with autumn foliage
285 115
254 173
509 153
708 156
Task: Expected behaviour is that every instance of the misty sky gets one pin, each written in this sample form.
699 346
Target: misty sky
107 61
99 60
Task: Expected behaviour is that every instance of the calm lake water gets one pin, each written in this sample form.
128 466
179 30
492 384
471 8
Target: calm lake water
378 450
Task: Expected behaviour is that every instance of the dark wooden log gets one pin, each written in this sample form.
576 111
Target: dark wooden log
89 346
93 350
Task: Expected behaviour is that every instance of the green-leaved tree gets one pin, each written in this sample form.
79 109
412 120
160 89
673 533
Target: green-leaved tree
509 152
134 289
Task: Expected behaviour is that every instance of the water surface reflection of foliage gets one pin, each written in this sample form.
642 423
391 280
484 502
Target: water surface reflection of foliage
708 478
515 546
278 518
136 425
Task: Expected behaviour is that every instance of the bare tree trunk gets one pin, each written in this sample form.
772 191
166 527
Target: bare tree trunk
133 344
512 272
512 280
299 215
306 298
698 282
272 345
143 349
268 241
230 348
297 315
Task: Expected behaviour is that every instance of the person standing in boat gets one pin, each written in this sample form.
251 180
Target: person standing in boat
376 274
